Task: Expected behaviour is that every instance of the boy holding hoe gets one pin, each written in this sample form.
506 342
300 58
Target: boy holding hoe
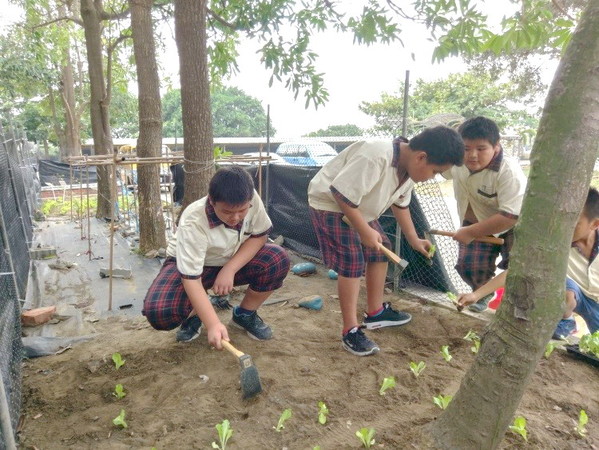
582 282
360 184
220 243
489 189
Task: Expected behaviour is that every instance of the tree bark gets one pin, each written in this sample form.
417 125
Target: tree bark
563 158
99 102
190 34
149 142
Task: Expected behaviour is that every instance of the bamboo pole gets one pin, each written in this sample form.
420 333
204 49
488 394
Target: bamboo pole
89 229
112 208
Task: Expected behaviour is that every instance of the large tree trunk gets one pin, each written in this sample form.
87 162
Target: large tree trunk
190 33
99 102
562 163
149 142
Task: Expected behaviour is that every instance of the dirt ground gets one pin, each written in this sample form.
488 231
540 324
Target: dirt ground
177 393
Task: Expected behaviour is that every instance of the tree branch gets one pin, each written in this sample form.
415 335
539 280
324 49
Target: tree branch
220 19
58 19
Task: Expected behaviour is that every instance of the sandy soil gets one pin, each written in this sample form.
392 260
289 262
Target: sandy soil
69 401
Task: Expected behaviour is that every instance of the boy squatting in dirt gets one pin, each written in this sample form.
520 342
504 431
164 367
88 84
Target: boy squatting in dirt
582 282
361 183
220 243
489 189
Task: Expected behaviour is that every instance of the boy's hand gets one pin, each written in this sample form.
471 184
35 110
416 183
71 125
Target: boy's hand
371 238
465 300
223 284
464 236
421 246
217 333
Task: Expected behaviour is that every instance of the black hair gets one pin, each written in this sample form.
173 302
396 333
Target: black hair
442 145
231 185
480 128
591 206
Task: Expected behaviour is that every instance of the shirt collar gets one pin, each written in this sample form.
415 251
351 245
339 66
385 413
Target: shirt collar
494 164
396 142
594 251
214 221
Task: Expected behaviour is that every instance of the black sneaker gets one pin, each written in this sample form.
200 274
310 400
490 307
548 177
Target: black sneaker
482 304
356 342
388 317
565 328
189 330
252 324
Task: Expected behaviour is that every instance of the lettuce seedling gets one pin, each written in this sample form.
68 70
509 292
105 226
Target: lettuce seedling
445 353
431 251
451 296
224 434
589 343
119 420
417 368
442 401
323 412
388 383
118 360
519 427
366 436
119 392
583 419
284 416
549 349
475 339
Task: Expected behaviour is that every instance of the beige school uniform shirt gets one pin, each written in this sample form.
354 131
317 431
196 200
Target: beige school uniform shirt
584 274
365 175
497 189
203 240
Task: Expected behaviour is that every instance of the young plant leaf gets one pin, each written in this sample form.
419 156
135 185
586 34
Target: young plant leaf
445 353
366 436
475 339
451 296
119 392
119 420
323 412
442 401
583 419
549 349
431 251
417 368
475 346
388 383
224 434
118 360
284 416
519 427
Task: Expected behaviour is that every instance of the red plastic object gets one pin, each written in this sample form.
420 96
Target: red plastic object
494 304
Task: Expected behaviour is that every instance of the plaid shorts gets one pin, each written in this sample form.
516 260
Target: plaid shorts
166 304
476 261
340 245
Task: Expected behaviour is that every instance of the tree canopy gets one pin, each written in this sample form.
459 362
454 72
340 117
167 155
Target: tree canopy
338 130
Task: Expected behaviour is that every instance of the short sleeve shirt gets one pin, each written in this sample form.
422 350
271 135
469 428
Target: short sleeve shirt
497 189
202 239
365 176
584 272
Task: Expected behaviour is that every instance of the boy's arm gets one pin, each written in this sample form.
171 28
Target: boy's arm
497 223
224 280
404 218
202 306
491 286
369 236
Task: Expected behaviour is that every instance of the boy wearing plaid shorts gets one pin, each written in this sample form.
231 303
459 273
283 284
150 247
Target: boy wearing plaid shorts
220 243
361 183
489 189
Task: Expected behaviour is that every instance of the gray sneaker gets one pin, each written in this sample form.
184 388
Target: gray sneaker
482 304
252 324
356 342
189 330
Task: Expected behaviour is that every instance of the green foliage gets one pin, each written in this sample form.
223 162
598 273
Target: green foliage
338 130
388 383
118 360
366 436
119 391
285 415
119 420
451 296
224 434
442 401
589 343
323 412
519 427
445 353
124 113
583 419
417 368
471 336
58 207
549 349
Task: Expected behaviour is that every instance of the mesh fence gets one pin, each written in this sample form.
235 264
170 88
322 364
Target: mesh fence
18 194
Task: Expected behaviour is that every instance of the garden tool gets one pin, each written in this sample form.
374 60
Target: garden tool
249 378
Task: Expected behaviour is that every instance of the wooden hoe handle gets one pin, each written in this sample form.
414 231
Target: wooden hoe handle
486 239
228 346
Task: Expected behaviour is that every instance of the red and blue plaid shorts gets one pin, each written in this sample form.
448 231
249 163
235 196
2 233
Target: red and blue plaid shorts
340 244
166 304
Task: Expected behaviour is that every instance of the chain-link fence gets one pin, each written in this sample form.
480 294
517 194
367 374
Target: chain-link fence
18 192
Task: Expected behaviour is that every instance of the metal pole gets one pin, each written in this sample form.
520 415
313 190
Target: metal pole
5 423
89 225
266 190
110 265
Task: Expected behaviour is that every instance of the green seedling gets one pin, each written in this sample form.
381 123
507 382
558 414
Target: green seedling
366 436
549 349
451 296
445 353
118 360
119 420
431 251
284 417
224 434
388 383
583 419
323 412
442 401
119 392
316 448
417 368
519 427
589 343
475 339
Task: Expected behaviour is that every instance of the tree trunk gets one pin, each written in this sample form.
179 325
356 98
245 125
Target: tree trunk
149 142
190 34
99 102
563 158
